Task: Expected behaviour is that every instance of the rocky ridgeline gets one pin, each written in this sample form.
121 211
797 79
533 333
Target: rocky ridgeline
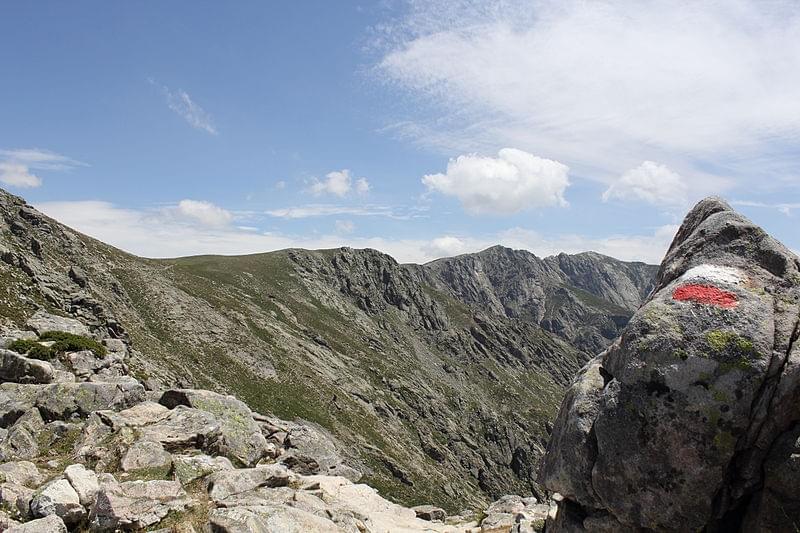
84 446
690 421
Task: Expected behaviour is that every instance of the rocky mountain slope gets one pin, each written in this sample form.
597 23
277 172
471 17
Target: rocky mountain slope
586 298
690 421
426 392
85 448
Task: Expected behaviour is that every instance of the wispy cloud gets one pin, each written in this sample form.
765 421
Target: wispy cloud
324 210
650 182
158 233
785 208
16 165
601 86
182 104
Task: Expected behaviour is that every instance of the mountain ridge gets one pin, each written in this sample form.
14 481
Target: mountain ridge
412 380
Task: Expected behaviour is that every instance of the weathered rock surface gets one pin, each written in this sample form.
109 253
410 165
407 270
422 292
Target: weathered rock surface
48 524
136 504
42 322
20 369
60 499
686 423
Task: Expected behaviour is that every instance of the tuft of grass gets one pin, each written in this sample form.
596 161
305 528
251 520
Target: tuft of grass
64 342
32 349
69 342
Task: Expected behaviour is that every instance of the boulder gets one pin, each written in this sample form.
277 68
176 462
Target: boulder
48 524
16 498
20 369
184 428
62 401
241 440
22 440
42 321
11 409
191 467
60 499
21 472
136 504
430 513
672 427
84 481
115 345
227 483
147 455
310 449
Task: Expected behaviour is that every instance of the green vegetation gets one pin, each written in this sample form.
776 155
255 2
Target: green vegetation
63 342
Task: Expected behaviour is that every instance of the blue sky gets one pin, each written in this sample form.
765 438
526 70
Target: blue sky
419 128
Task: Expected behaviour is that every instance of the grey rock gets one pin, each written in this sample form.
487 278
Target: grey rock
22 440
226 483
147 455
48 524
241 439
115 345
673 425
60 499
184 428
62 401
136 504
21 472
20 369
17 499
42 321
268 519
85 483
191 467
430 513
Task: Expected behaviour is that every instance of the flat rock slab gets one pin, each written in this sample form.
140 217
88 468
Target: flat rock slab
41 322
48 524
136 504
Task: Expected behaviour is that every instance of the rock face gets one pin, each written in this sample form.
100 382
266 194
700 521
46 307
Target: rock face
689 421
438 379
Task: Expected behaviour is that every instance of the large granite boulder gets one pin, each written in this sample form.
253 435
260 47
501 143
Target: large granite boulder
241 440
675 426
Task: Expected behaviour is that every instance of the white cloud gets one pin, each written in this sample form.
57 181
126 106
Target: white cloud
785 208
16 165
18 175
324 210
156 233
203 212
603 85
339 183
182 104
511 182
649 182
449 246
345 226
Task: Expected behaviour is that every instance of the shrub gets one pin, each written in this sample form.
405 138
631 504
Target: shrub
69 342
32 349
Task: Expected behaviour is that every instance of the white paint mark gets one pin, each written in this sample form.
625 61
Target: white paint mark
714 274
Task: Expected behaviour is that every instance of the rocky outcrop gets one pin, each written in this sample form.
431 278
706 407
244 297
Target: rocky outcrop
103 458
689 420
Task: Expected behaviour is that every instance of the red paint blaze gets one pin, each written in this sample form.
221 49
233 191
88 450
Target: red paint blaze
705 294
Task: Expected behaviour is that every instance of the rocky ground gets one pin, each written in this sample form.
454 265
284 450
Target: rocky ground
85 447
690 421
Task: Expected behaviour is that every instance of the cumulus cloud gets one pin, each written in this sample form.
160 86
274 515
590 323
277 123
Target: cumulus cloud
18 175
182 104
203 212
17 165
649 182
449 246
339 183
602 85
512 181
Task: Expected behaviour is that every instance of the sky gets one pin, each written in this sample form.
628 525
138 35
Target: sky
422 129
